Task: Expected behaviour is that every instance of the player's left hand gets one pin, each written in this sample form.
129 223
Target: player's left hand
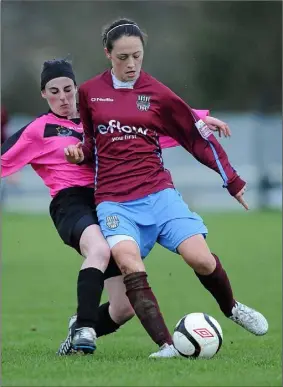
217 126
240 198
74 153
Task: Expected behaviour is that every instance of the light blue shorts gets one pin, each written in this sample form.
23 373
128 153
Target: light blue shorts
161 217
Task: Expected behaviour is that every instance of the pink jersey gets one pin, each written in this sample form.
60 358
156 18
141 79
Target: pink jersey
41 143
168 142
123 128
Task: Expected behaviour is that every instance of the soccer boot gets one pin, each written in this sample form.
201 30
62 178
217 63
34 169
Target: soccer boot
84 340
66 347
249 319
77 340
165 351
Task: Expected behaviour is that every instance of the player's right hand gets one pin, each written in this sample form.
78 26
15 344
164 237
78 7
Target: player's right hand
74 153
217 126
240 197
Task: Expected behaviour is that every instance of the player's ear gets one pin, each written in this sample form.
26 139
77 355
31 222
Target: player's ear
107 53
43 94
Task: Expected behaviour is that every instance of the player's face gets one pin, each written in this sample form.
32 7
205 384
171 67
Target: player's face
126 58
60 94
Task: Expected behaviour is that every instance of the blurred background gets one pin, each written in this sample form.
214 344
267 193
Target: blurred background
222 56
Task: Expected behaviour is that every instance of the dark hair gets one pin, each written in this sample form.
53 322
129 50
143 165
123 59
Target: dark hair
119 28
56 68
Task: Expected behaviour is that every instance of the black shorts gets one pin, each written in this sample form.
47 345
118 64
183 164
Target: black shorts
72 211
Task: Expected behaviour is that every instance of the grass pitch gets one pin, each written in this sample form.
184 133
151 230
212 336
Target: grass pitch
39 294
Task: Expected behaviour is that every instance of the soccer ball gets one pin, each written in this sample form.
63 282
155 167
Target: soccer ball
197 335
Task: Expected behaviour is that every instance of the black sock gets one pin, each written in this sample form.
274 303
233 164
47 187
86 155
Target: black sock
105 324
89 291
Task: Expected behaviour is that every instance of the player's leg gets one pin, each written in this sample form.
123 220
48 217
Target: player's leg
119 226
214 278
184 233
111 315
109 319
118 310
86 238
74 216
209 271
90 285
82 326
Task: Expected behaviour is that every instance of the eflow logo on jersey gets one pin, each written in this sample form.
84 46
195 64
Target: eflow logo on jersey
114 125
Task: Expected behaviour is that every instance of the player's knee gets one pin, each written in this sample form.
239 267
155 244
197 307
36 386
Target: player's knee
93 244
196 253
205 264
99 251
127 257
97 255
127 248
123 313
128 313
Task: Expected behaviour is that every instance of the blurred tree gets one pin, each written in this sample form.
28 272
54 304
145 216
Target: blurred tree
241 60
222 55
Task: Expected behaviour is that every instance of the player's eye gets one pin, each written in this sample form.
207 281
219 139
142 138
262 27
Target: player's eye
123 57
68 89
137 56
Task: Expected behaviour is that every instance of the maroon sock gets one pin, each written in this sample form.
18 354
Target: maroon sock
218 284
146 307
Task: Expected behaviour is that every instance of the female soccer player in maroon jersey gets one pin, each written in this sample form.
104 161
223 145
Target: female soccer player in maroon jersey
124 112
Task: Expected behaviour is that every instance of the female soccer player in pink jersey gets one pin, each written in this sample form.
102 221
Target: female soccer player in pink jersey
124 112
41 144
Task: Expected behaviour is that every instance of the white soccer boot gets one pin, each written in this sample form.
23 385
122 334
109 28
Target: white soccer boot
249 319
84 340
166 351
66 346
77 340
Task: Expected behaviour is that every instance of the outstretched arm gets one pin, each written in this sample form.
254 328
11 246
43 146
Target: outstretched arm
213 123
184 125
20 149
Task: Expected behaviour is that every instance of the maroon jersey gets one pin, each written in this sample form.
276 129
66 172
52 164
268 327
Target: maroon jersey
122 129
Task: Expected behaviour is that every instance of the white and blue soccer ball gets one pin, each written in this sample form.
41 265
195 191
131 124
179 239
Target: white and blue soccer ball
197 335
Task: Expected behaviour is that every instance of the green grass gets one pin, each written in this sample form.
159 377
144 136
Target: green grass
39 294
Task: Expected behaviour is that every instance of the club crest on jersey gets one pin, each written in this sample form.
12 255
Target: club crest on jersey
143 103
112 221
63 132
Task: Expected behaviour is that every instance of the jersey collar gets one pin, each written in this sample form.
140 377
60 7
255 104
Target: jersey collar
74 120
108 78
